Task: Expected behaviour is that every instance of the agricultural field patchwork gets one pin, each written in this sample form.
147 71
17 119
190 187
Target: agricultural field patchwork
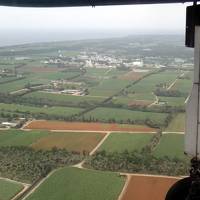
119 142
9 189
73 93
81 184
171 145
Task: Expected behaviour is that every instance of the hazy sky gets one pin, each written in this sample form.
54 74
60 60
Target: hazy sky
134 19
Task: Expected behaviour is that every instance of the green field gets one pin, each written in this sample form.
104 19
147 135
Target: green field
143 96
96 72
7 79
172 101
118 115
101 73
148 84
79 184
108 87
177 124
68 99
183 85
48 76
119 142
171 145
20 138
130 99
52 111
13 86
9 189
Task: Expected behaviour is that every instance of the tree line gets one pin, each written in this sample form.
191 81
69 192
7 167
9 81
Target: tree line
137 162
26 164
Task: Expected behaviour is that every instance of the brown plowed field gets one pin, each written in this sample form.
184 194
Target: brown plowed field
78 142
45 69
133 76
148 187
58 125
140 103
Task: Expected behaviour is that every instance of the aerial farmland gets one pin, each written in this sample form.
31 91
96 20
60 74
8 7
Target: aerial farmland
94 119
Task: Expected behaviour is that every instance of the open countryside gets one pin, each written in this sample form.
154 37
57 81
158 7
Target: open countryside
93 119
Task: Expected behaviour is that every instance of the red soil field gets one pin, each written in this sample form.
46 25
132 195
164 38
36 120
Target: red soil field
81 126
37 69
140 103
148 187
45 69
133 76
78 142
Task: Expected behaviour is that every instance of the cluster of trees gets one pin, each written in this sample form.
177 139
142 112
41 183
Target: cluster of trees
52 102
12 79
9 116
169 93
149 122
26 164
137 162
20 99
159 109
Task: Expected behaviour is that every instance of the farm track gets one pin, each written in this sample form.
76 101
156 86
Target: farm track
187 99
100 143
20 193
175 132
150 175
80 165
174 82
128 178
26 90
18 91
155 102
88 131
26 124
37 185
13 181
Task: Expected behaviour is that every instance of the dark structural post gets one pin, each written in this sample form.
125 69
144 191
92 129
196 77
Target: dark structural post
189 188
